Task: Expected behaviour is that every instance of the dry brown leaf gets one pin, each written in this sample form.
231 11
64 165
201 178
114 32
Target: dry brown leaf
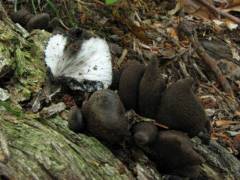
172 32
237 113
197 9
233 8
208 12
220 123
219 135
232 5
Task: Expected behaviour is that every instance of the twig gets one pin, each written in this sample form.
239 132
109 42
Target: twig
133 118
184 69
62 24
211 62
121 59
225 14
161 125
187 28
199 71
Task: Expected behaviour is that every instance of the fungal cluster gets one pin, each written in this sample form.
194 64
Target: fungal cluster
87 68
174 106
144 89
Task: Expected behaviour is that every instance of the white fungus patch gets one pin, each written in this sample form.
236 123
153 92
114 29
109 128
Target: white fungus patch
91 64
54 52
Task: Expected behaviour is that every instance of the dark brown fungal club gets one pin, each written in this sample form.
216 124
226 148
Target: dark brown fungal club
75 38
181 110
173 152
39 21
151 88
29 21
116 79
129 84
76 122
104 113
22 17
144 133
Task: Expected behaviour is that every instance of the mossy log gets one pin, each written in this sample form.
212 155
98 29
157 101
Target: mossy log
36 148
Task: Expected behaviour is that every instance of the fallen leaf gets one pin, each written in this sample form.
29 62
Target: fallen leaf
220 123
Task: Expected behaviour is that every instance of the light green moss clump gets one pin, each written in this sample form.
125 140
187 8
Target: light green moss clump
25 56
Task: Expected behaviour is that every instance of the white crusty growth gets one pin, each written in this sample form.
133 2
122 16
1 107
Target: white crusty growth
92 62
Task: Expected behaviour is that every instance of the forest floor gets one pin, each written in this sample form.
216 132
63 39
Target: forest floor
194 39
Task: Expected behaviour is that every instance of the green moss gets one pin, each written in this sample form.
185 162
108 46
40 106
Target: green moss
50 146
26 57
6 33
10 108
31 69
7 63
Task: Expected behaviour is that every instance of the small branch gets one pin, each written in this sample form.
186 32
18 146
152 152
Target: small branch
183 66
123 56
187 29
133 118
211 62
195 66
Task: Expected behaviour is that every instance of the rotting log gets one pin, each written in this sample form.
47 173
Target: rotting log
36 148
220 163
48 150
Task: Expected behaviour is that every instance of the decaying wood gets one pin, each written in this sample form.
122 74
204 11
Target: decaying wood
220 164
